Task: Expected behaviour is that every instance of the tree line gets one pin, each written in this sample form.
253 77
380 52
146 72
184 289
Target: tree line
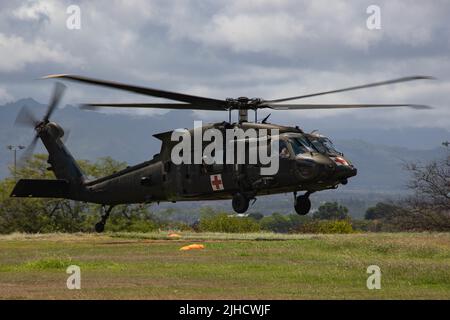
426 209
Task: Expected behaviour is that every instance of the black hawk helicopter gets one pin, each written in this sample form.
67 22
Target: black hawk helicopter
308 161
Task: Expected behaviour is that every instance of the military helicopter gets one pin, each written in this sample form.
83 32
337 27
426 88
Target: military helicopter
308 162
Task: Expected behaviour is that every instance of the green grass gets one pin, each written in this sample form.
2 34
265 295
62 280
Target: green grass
232 266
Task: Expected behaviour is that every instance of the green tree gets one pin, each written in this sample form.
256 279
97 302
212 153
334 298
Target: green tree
381 210
276 223
331 211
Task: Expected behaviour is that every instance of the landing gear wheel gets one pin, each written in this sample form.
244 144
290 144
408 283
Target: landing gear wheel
302 205
240 203
100 227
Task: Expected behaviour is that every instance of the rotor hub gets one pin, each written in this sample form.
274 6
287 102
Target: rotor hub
243 103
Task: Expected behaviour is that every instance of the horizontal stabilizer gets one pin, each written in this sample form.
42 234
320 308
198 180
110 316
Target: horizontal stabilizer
32 188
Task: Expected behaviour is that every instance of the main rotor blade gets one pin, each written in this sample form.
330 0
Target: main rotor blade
58 92
26 118
341 106
182 106
144 90
28 152
369 85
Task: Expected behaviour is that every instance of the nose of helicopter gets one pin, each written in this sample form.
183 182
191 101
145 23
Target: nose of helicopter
344 172
328 168
344 169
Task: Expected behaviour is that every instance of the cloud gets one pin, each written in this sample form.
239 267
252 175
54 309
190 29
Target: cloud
32 11
229 48
16 53
5 97
250 33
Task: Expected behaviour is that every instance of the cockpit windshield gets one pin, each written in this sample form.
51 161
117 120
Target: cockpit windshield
301 145
324 145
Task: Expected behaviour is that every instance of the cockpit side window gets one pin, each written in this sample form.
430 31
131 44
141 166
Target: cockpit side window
319 146
284 151
300 145
306 143
329 145
324 145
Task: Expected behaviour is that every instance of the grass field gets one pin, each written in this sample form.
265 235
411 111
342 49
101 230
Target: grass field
248 266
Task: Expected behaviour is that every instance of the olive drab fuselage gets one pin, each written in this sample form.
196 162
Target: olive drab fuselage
161 180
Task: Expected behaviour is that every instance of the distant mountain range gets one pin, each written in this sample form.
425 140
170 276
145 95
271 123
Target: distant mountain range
129 138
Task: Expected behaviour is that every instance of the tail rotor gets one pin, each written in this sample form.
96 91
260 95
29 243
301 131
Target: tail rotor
26 118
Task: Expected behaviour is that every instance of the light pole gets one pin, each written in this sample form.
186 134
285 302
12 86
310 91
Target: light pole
14 149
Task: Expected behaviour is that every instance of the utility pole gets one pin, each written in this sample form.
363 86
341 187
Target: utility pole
14 149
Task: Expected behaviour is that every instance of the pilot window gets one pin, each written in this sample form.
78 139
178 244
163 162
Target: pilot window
318 145
284 151
299 146
329 145
324 145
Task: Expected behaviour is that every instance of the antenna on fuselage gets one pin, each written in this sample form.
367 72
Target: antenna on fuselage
265 119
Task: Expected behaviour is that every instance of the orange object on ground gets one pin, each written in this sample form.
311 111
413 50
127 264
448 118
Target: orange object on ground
174 235
192 247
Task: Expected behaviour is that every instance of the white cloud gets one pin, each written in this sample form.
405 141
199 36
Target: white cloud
5 97
254 33
228 48
33 11
16 53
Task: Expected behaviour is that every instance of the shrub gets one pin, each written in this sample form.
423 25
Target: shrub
256 216
224 223
367 225
283 223
331 211
327 226
133 224
275 223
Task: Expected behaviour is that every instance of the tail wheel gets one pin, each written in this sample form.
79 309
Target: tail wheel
240 203
302 205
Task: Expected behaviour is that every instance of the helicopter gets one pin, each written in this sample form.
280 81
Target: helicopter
307 162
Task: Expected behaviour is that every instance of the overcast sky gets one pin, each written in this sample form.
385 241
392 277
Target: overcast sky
229 48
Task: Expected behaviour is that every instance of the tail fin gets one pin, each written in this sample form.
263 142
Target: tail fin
69 175
61 161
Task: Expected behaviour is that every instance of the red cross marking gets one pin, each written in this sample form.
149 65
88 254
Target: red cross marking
216 182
